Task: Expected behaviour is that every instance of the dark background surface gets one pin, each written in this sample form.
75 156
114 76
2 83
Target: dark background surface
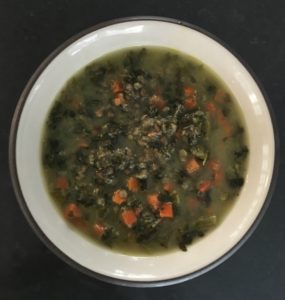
29 31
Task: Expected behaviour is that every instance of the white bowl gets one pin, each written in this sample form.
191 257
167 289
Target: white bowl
25 145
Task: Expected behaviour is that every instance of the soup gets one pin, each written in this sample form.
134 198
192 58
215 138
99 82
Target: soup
144 149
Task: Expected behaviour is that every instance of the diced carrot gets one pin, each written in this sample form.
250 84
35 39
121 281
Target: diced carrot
61 183
220 96
168 187
190 103
189 91
193 203
220 118
129 218
210 107
192 166
153 201
166 210
119 99
228 130
205 186
133 184
72 211
99 229
223 122
119 196
214 165
116 86
157 101
73 214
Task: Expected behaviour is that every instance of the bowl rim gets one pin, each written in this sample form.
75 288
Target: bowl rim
21 200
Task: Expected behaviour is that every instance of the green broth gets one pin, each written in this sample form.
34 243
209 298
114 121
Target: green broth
144 150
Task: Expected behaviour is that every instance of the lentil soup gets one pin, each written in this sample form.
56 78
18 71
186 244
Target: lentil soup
144 149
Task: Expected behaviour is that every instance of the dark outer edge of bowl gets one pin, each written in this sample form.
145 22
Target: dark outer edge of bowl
41 234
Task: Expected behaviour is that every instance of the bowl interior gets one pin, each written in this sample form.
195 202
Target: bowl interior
261 143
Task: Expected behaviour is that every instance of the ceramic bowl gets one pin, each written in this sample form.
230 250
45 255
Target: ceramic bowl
25 156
